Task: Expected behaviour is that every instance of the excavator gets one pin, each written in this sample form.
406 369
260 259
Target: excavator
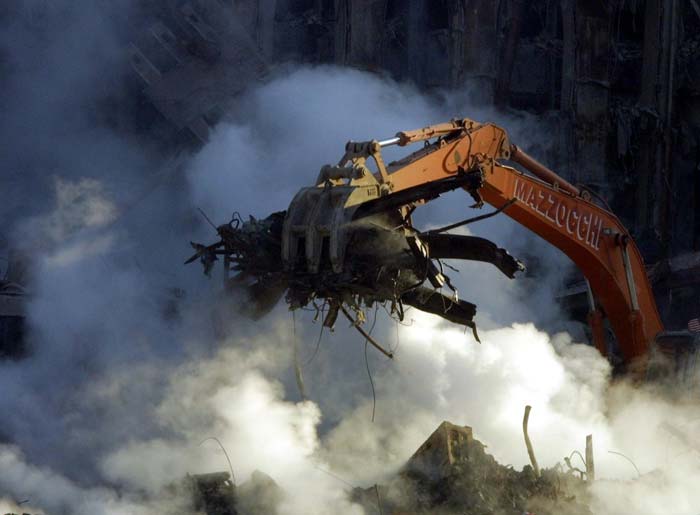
348 241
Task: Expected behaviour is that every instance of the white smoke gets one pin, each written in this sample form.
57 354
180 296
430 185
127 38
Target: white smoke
53 493
233 399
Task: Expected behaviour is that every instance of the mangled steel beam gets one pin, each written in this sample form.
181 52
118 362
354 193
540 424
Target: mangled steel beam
472 248
448 445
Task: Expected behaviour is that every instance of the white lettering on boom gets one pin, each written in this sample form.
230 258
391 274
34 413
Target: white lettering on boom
585 226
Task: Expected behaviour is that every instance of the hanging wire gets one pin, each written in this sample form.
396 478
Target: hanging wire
451 267
396 318
331 474
297 368
320 314
473 219
580 456
369 373
379 501
398 341
639 474
206 217
233 477
318 346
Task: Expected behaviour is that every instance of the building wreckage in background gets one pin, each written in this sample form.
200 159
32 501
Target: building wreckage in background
193 63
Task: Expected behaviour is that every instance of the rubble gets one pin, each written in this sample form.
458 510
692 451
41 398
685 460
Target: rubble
451 473
260 495
213 494
216 494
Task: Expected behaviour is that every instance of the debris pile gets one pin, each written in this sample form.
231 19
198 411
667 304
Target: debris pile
213 494
451 473
216 494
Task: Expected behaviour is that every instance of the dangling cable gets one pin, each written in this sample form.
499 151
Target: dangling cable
230 467
318 345
379 501
297 366
356 325
369 373
398 341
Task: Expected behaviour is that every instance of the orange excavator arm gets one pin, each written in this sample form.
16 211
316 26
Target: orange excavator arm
348 239
546 204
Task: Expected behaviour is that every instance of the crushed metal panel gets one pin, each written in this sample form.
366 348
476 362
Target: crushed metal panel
448 444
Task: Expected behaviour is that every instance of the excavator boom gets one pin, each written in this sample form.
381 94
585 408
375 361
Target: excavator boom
349 241
549 206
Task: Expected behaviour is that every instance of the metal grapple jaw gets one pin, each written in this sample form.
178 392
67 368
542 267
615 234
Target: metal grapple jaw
349 242
337 248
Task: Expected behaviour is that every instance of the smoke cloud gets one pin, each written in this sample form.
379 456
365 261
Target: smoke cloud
136 361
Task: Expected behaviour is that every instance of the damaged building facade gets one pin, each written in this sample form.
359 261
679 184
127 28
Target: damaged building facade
620 78
618 82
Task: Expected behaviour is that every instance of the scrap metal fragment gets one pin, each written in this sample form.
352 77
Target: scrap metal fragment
590 464
472 248
528 443
431 301
366 335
